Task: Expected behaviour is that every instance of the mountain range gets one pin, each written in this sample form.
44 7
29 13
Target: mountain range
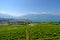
42 17
5 16
34 17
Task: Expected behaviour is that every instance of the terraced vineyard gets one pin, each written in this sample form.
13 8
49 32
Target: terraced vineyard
36 32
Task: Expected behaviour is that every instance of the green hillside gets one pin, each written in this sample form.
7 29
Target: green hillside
37 32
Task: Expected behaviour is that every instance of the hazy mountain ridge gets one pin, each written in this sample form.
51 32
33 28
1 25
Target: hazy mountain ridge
5 16
32 17
42 17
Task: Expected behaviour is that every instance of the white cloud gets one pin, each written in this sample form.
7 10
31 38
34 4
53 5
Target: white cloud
34 13
3 12
38 13
43 12
20 14
12 14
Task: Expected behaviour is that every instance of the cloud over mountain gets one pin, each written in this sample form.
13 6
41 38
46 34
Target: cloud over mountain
11 13
42 17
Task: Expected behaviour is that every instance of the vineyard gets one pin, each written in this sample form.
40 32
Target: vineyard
27 32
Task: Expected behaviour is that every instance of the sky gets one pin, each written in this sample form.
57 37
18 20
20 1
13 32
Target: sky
24 7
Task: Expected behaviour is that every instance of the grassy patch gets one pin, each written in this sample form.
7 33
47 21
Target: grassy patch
36 32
